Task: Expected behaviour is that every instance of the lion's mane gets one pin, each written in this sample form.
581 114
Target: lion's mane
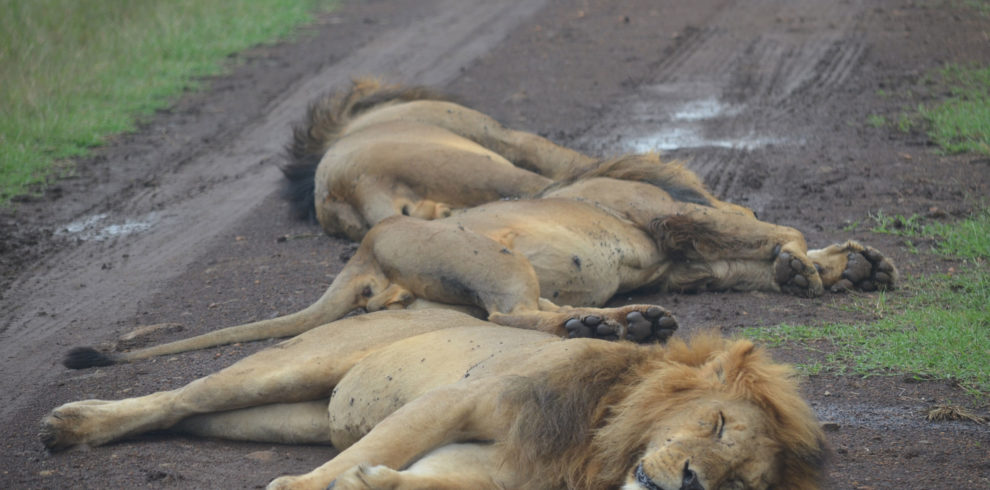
325 120
585 425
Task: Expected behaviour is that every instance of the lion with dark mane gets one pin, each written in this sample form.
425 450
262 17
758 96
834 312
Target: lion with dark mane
441 400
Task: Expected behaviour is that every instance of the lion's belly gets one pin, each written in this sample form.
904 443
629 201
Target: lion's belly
582 255
388 379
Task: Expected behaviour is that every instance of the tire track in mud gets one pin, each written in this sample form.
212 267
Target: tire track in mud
211 192
736 84
724 101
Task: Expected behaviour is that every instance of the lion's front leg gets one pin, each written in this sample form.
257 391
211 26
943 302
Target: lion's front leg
852 265
452 467
466 412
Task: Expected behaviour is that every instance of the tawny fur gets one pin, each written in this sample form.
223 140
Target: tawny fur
427 398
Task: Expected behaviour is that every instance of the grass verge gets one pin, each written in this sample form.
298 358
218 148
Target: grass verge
935 327
73 72
959 121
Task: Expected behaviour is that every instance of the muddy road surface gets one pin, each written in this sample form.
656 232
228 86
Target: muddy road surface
180 225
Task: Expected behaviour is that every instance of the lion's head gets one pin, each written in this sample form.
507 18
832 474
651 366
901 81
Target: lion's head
712 414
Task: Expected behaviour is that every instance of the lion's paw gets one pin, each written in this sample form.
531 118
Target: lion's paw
866 270
73 424
638 323
364 477
796 274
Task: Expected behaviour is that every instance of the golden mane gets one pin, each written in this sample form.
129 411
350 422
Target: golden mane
584 426
329 115
325 120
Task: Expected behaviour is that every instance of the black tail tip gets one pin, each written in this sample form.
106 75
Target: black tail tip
86 357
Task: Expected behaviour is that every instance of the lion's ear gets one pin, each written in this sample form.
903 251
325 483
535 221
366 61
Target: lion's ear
741 356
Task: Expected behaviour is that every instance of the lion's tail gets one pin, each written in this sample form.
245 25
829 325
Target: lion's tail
334 304
325 122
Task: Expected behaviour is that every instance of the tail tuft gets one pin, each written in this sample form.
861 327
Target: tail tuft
86 357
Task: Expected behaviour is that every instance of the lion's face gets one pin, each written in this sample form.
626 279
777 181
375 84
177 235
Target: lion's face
709 445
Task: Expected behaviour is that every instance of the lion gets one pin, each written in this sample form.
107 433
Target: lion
552 263
378 150
439 399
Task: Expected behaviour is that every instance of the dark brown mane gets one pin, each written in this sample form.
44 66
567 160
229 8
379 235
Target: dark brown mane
557 412
325 120
585 424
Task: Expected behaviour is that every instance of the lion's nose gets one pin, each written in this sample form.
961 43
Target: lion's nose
689 480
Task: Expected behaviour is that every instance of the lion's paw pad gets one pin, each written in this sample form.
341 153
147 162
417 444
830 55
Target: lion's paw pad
866 271
651 324
793 275
588 326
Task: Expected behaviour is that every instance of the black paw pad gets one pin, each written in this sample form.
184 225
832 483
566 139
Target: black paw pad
654 324
866 271
587 326
792 275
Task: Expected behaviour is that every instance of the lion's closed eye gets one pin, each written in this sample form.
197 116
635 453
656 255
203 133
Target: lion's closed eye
720 426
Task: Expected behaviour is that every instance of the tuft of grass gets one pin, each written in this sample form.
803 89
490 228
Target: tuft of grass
967 239
935 327
73 72
981 6
876 120
961 123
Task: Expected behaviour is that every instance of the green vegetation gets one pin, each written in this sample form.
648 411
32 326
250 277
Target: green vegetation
933 327
982 6
961 123
877 121
957 117
73 72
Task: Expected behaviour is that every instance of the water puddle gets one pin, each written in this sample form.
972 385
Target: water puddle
682 115
98 228
689 125
701 109
676 138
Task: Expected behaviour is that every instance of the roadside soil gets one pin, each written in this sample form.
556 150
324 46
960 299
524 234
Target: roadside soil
180 225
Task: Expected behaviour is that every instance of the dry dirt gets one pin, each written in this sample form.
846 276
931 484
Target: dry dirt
767 100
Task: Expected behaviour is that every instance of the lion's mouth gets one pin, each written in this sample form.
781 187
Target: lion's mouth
643 479
690 481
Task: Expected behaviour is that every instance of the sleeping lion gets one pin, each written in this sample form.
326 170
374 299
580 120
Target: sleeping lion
551 263
378 150
373 159
438 399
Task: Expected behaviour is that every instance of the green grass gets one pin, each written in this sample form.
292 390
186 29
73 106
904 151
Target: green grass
73 72
968 239
982 6
956 111
961 123
876 120
935 327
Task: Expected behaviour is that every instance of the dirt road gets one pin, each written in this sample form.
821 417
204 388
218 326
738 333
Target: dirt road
767 100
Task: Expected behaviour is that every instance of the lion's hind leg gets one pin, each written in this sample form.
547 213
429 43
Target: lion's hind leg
638 323
851 265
